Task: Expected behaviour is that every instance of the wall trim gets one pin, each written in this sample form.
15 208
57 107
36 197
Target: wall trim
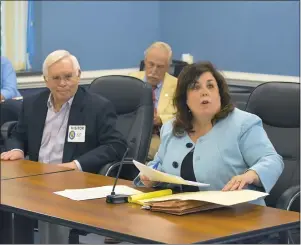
87 77
254 79
233 78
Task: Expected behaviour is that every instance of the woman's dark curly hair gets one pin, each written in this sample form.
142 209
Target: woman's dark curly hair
186 80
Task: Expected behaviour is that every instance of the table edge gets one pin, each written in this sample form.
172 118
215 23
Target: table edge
134 239
77 226
253 233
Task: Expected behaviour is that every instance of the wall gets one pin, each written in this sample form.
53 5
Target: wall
103 35
245 36
256 37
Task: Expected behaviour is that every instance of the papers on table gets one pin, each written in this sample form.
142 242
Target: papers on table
156 175
96 192
225 198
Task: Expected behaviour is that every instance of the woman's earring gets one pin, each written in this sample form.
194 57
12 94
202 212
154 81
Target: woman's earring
189 111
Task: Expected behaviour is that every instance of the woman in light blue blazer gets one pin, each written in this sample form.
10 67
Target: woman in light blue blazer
211 141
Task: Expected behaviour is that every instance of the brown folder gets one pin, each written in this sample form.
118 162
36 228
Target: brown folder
180 207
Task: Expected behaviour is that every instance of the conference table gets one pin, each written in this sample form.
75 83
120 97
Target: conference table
13 170
26 168
33 198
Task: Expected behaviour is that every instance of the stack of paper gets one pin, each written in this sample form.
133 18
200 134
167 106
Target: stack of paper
155 175
225 198
191 202
96 192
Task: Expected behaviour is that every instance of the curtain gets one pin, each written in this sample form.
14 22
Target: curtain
30 35
14 15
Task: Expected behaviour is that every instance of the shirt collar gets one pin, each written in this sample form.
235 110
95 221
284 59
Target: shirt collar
50 104
159 85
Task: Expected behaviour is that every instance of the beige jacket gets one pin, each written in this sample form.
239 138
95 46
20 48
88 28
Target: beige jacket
165 108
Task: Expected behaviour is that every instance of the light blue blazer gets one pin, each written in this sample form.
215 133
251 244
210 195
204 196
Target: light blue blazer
234 145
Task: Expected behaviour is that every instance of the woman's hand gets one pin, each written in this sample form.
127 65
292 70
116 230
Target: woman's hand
146 181
240 181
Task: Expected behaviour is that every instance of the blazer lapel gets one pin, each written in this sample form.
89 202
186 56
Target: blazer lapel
40 114
75 118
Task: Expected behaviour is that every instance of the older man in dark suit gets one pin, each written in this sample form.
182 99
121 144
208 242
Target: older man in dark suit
65 125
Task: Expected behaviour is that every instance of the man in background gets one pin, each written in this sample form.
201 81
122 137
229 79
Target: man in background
157 61
8 80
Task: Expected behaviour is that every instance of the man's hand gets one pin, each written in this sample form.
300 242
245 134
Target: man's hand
12 155
240 181
71 165
157 121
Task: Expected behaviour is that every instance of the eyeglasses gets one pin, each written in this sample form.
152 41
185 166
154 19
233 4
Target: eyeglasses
67 78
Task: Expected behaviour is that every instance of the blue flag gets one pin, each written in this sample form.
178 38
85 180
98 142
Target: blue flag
30 35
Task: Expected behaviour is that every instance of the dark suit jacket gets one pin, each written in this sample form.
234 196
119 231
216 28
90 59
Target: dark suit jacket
103 143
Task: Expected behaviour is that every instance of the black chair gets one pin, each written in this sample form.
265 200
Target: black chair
175 68
134 107
132 99
10 110
278 105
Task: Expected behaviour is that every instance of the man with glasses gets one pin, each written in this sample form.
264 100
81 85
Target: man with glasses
157 60
65 125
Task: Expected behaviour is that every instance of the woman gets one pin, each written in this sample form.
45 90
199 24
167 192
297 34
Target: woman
212 142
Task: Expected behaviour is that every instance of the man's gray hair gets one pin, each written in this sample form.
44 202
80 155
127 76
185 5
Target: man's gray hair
56 56
160 45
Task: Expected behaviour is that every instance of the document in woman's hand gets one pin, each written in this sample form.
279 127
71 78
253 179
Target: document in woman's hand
155 175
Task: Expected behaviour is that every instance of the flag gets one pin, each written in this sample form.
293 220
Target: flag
30 40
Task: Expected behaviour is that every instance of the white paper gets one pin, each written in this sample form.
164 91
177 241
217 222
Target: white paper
225 198
155 175
96 192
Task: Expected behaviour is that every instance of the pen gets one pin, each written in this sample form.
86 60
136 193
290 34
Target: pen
156 165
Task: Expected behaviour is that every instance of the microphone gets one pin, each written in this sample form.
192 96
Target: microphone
114 198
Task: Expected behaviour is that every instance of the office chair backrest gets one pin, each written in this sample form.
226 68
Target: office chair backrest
10 110
175 67
278 105
133 103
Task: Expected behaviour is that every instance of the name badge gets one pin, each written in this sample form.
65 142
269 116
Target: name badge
76 133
